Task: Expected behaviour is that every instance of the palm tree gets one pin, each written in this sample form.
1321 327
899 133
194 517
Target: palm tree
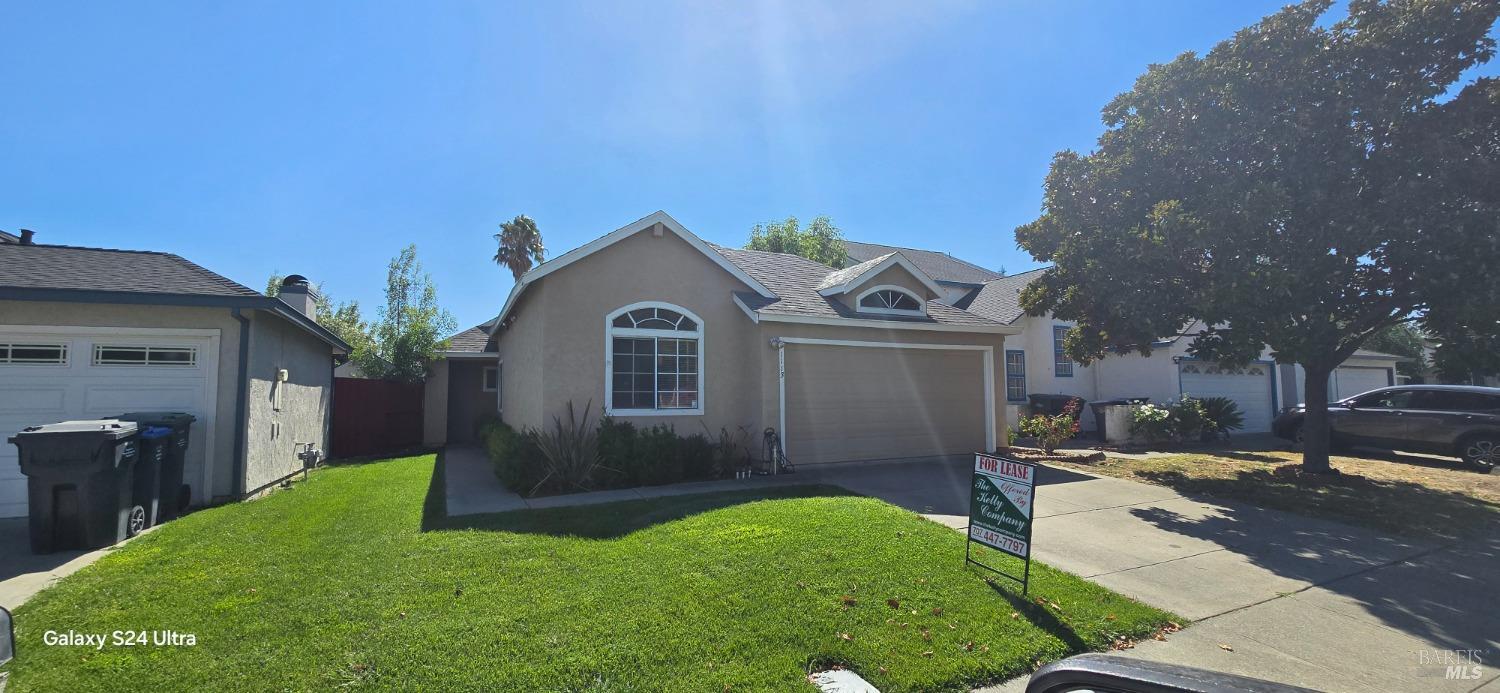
520 245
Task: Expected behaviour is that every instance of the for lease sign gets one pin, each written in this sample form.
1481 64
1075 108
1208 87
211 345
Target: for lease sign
1000 504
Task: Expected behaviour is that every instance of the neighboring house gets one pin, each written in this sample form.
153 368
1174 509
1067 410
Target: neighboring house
1035 362
462 389
90 332
651 325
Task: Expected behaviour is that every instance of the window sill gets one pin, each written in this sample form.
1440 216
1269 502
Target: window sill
654 412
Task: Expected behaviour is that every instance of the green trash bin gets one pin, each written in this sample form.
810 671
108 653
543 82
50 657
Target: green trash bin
174 494
80 481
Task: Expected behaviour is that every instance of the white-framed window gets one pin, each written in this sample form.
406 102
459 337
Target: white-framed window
136 355
18 353
653 361
889 300
491 378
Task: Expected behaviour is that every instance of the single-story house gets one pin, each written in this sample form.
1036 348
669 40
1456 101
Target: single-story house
653 325
1035 362
92 332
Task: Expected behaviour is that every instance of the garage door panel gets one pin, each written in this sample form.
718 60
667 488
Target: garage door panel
1349 381
1249 387
859 403
114 398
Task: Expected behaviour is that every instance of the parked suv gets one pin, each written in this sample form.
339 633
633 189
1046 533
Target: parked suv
1457 420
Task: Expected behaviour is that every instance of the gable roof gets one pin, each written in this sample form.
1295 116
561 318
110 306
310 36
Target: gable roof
844 280
795 281
1000 300
475 340
34 272
940 266
609 239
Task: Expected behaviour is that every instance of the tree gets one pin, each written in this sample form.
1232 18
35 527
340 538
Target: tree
520 245
1300 186
409 332
344 320
1402 340
820 242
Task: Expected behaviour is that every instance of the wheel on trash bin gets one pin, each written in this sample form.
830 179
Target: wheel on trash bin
137 523
184 497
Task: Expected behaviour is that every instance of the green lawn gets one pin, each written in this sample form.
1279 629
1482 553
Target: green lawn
355 577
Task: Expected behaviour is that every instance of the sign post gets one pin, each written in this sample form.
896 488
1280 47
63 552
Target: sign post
1001 494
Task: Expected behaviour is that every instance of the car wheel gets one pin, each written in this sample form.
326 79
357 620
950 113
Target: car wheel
1482 452
137 522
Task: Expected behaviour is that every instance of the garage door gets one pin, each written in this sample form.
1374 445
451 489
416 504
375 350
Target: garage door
1249 387
1349 381
848 403
59 374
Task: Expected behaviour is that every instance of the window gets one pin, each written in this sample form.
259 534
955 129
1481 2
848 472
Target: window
1390 399
1015 375
889 299
655 361
107 355
491 379
33 353
1454 400
1060 362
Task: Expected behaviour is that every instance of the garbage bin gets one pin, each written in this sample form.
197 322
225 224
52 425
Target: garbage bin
146 490
1051 405
80 483
1098 409
174 495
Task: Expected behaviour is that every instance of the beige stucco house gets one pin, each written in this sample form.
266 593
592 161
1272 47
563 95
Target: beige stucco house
651 324
87 333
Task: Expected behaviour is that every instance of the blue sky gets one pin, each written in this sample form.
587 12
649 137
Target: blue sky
320 138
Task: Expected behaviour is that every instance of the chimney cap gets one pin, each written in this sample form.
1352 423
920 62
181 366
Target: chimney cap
294 280
26 237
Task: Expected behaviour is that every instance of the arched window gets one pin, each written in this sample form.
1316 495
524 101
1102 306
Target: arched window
890 300
654 361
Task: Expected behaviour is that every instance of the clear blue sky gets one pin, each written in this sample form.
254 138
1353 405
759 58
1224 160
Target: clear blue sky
321 137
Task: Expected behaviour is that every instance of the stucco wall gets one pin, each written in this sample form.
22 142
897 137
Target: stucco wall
520 345
116 315
435 405
283 414
468 403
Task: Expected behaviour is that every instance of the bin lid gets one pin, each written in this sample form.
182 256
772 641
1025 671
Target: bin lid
154 432
159 418
104 428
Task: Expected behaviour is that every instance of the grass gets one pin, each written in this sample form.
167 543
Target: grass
1403 494
345 580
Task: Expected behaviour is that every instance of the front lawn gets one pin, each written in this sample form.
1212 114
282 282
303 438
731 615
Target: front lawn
344 580
1405 494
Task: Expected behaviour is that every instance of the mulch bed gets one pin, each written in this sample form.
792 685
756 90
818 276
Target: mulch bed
1039 455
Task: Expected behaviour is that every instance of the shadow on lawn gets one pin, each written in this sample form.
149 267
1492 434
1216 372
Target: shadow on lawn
1040 616
601 521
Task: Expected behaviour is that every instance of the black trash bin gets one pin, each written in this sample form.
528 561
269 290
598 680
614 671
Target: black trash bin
175 494
80 483
153 443
1098 409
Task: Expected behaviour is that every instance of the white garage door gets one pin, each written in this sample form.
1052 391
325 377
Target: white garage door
1249 387
1349 381
846 403
50 374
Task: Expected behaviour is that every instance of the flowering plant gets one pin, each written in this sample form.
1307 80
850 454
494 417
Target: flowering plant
1050 430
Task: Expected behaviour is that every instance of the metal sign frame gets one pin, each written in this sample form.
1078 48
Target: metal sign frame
980 460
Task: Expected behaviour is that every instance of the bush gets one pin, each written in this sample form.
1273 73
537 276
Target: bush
1152 422
617 452
697 456
570 451
658 458
1189 419
518 462
1051 430
1224 414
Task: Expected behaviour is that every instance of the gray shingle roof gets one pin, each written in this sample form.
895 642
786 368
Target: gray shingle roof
473 339
838 277
795 281
940 266
100 269
1000 300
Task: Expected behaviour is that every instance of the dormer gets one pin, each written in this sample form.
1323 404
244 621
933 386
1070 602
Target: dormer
886 285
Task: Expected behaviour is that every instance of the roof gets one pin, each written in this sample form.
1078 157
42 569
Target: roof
1000 300
940 266
474 340
795 281
103 269
105 275
838 277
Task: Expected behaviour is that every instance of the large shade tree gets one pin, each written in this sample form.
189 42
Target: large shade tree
519 245
819 241
1304 185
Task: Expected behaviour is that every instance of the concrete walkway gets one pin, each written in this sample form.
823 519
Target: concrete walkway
23 573
1302 601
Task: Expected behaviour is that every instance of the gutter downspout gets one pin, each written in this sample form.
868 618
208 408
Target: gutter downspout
241 405
780 348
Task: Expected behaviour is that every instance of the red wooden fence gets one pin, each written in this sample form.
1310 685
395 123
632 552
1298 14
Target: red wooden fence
372 417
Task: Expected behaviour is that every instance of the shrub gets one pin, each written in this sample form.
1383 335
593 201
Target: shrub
1050 430
518 462
697 456
1189 419
571 451
1152 422
730 451
1225 415
617 452
658 458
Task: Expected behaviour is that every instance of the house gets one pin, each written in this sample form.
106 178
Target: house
652 325
1035 363
462 389
92 332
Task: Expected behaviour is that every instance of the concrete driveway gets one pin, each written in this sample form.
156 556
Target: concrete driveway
1297 600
